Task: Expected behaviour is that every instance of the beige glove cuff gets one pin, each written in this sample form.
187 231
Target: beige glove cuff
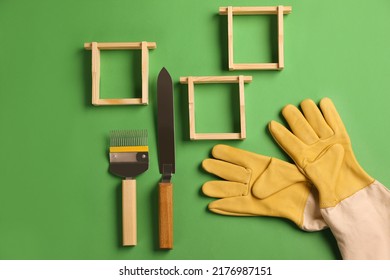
312 218
361 223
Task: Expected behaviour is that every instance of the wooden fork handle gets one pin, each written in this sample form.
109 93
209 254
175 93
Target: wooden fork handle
129 212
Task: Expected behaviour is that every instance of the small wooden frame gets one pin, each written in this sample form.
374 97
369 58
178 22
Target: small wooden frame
96 47
273 10
191 81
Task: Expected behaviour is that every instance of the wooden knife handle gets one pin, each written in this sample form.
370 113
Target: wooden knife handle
166 215
129 212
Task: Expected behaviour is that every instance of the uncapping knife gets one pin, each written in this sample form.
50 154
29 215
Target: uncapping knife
166 156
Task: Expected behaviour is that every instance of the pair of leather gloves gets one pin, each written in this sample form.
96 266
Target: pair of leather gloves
326 187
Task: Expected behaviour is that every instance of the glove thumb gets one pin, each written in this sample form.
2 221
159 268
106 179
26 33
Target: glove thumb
277 176
324 172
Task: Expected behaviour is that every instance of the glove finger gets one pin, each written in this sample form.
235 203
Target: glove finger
235 206
240 157
291 144
226 170
299 125
223 189
331 115
314 116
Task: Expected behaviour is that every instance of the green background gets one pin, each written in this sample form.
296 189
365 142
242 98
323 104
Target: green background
57 199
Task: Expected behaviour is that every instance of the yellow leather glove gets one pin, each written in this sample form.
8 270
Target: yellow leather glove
257 185
354 205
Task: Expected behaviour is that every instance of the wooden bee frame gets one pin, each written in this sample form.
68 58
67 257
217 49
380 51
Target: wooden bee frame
96 47
273 10
191 81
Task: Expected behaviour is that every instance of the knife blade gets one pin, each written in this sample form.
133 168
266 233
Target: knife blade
166 156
